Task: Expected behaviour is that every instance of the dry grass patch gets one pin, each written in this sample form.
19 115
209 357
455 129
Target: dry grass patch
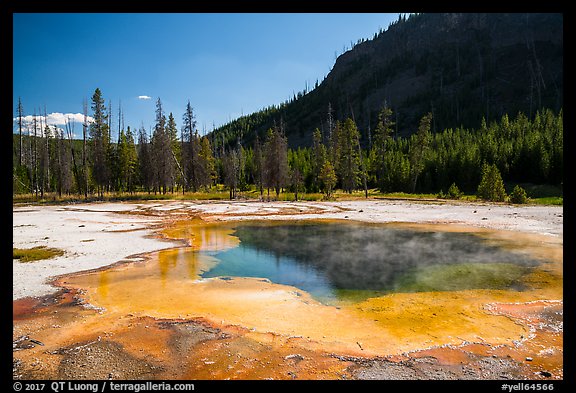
35 253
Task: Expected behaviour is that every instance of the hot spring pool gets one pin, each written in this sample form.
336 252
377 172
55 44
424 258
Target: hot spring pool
354 261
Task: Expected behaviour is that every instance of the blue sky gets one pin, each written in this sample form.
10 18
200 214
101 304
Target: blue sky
225 64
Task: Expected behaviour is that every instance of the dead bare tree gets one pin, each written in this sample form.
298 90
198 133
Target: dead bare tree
20 113
34 155
69 125
46 155
84 161
362 167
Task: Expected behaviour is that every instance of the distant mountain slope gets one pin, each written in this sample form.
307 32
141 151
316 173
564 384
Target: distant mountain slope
461 67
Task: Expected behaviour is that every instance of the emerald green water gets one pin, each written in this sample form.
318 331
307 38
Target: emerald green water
353 261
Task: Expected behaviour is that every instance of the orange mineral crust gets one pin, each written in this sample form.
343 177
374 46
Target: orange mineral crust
164 319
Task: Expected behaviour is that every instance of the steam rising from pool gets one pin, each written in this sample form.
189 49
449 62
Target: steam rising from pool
358 260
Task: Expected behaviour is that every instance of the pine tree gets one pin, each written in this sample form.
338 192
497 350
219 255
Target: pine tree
327 178
258 162
319 156
231 167
419 148
348 159
131 161
207 163
491 187
296 180
44 163
190 148
382 134
298 168
99 138
127 160
146 169
122 163
518 195
161 144
276 159
173 150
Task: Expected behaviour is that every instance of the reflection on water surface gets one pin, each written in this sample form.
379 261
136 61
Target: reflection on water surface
357 260
395 287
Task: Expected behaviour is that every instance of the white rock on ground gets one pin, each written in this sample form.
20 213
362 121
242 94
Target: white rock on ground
88 233
91 233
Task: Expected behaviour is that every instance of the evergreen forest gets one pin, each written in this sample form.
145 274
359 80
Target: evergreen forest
444 103
174 158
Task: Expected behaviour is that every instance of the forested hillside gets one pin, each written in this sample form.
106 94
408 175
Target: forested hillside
437 103
520 149
459 67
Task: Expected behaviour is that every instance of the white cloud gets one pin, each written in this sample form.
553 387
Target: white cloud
54 118
144 97
61 118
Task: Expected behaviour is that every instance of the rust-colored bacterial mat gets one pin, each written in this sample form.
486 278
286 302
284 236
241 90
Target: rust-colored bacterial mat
193 312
